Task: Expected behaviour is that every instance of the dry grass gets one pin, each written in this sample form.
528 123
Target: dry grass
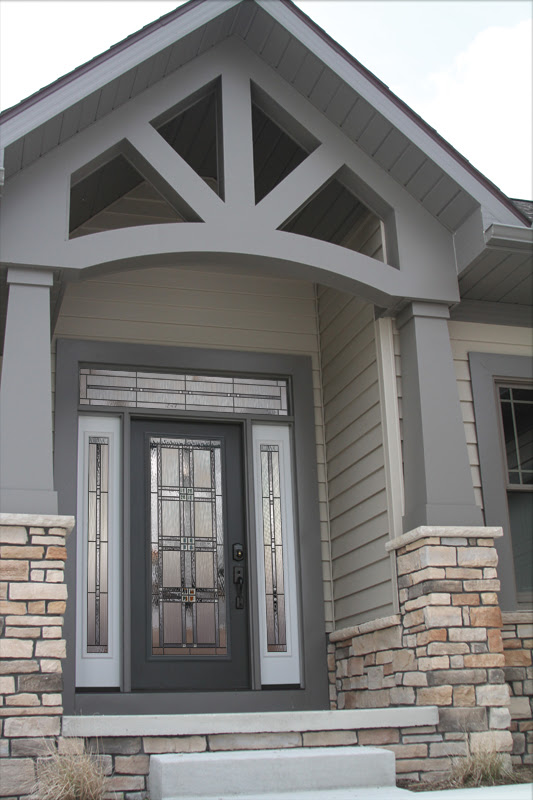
69 776
484 768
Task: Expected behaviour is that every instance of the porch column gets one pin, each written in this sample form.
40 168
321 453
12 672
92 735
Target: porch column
437 477
26 473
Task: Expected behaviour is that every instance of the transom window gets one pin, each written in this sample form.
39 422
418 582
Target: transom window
220 393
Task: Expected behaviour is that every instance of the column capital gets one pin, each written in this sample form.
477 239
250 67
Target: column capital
418 308
30 276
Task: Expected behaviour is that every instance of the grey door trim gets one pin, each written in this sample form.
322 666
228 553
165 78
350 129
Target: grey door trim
70 355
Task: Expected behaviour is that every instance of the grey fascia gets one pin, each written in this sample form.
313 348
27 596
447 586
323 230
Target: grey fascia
112 65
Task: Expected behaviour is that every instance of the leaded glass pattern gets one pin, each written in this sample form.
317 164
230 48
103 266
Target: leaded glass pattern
187 547
97 545
222 394
273 549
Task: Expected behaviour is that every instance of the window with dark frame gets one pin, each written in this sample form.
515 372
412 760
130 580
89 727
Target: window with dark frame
516 414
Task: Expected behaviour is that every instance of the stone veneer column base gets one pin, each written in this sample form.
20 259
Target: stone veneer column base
444 648
32 604
517 633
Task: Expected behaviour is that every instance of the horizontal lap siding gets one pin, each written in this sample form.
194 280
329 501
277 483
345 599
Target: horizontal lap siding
362 581
474 337
196 308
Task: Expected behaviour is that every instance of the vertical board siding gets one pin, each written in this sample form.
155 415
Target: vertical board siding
196 308
475 337
362 580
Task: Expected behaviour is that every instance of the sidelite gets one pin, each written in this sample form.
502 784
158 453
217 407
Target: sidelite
187 547
97 560
273 549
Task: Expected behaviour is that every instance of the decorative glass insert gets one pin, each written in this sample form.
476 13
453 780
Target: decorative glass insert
187 546
273 549
97 545
229 395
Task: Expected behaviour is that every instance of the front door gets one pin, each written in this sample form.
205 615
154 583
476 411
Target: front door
189 603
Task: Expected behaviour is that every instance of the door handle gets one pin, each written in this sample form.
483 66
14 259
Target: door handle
238 580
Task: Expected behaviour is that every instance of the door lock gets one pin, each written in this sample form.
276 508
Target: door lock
238 580
238 552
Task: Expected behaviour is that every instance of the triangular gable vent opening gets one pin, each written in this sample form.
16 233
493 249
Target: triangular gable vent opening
276 154
337 216
193 133
115 195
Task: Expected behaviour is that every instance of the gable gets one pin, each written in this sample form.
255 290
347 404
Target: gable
304 56
350 150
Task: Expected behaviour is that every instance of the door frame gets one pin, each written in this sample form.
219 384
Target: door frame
313 691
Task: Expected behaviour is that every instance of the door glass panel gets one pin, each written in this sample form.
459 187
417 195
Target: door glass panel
98 479
187 547
273 549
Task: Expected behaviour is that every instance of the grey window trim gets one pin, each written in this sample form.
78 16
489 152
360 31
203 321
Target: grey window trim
70 355
487 370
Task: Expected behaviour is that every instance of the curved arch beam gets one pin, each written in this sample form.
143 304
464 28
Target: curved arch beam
246 248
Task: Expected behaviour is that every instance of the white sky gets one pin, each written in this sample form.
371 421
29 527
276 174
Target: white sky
464 65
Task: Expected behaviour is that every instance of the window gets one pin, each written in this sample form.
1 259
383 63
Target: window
502 390
516 408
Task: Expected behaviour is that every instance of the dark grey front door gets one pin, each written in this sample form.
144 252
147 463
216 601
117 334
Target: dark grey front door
189 603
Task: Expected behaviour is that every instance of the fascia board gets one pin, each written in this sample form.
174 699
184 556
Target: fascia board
377 97
111 67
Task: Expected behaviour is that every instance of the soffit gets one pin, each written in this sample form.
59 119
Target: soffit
499 275
284 49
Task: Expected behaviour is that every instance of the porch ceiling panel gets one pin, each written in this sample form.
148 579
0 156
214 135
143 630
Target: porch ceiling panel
263 32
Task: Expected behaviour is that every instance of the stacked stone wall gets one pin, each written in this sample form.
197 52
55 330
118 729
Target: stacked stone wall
32 603
517 633
445 648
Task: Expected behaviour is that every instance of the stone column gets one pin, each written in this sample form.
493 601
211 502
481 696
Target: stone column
451 619
32 604
437 477
26 472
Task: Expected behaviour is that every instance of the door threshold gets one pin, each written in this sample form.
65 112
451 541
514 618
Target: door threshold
253 722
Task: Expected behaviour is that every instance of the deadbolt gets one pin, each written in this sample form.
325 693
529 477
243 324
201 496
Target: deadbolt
238 552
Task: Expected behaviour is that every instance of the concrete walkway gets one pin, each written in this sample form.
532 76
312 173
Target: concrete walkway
522 791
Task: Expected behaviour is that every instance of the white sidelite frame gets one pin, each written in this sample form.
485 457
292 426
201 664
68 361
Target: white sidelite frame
277 667
99 669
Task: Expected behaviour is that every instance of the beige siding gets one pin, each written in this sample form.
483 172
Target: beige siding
197 308
474 337
361 569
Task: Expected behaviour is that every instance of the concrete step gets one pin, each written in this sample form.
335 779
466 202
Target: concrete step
246 774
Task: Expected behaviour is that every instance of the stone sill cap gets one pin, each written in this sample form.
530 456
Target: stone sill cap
38 521
444 532
365 627
269 722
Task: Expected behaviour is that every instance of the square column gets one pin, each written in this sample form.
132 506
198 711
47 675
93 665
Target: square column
26 471
437 477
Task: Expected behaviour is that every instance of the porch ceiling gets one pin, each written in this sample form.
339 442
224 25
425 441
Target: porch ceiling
287 49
